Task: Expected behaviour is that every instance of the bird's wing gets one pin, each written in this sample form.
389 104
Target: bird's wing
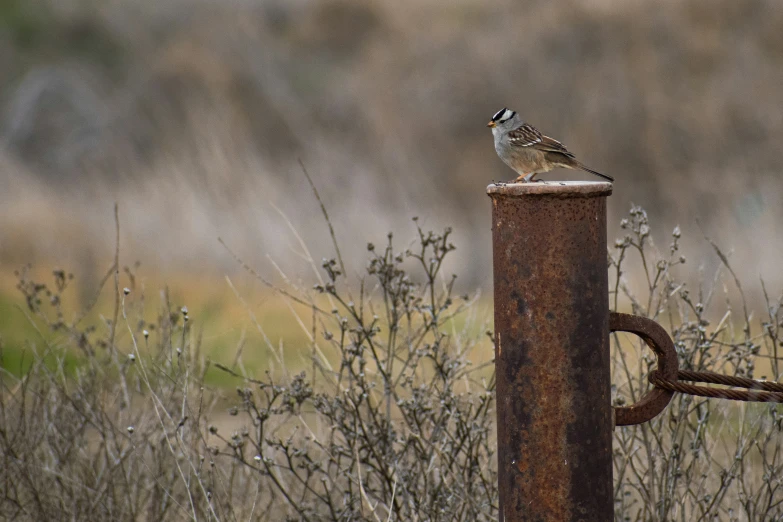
528 136
552 145
525 136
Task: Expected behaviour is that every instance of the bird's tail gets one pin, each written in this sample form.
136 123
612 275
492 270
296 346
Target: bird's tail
591 171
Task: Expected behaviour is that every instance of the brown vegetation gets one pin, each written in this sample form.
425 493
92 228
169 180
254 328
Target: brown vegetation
194 115
393 418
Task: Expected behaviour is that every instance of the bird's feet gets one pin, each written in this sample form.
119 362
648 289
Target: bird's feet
526 178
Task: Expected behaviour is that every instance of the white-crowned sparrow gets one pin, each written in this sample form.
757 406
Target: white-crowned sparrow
523 148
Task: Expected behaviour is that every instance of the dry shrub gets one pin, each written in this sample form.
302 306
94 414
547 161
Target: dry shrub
701 459
394 417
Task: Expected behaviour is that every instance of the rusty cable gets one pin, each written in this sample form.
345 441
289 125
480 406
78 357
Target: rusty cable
755 391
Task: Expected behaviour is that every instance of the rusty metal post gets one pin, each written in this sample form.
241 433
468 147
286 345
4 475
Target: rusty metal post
552 351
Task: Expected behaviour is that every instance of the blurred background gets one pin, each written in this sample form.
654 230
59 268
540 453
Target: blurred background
192 115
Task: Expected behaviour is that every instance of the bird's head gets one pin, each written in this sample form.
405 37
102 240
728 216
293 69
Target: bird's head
501 117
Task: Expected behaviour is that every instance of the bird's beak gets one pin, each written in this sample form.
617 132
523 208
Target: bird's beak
491 123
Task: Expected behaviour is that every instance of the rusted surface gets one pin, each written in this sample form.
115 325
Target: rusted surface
563 189
552 351
655 400
754 391
668 379
730 380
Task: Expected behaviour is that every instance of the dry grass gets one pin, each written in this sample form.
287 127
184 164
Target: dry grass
196 122
701 459
193 116
392 418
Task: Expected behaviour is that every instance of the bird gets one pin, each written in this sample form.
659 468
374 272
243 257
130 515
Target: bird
523 148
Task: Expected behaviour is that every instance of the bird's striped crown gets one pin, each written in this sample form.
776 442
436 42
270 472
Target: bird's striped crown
503 115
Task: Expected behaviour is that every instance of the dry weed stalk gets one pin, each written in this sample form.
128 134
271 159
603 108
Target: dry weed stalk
112 419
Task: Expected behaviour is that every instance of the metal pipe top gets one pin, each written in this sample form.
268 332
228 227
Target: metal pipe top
561 189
